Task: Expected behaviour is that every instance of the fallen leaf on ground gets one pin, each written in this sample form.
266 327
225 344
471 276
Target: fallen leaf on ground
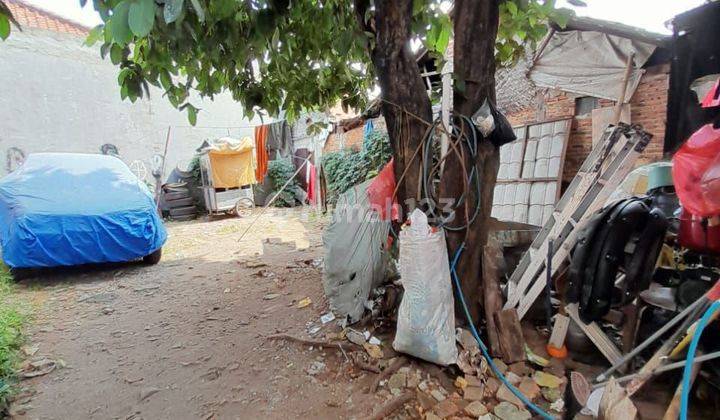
373 350
304 302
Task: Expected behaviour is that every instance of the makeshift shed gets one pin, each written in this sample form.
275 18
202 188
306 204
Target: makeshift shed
227 169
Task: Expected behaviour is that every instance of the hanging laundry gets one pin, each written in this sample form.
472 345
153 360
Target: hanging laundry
310 179
279 140
261 154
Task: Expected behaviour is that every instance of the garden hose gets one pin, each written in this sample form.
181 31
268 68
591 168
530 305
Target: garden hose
707 316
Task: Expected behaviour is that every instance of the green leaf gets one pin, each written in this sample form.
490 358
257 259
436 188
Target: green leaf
95 35
116 53
4 27
561 18
141 17
443 39
173 9
118 24
198 9
165 80
192 114
124 73
512 8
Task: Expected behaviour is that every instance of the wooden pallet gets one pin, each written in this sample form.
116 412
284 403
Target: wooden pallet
605 168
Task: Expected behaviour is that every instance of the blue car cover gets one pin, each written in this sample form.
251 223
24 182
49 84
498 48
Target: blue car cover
62 209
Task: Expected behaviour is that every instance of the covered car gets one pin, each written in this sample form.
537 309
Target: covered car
63 209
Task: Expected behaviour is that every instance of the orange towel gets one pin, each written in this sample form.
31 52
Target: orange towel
261 154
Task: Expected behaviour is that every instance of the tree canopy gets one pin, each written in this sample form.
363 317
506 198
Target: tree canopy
275 55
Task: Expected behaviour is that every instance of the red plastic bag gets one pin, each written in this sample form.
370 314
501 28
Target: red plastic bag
696 172
380 193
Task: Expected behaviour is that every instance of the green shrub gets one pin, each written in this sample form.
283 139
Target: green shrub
346 168
12 320
279 172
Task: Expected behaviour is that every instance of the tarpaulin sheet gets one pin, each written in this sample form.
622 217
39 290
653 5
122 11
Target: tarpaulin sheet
590 63
62 209
232 161
355 260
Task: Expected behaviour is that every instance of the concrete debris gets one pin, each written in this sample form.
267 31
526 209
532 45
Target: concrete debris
512 378
475 409
355 337
466 339
529 388
547 380
501 366
492 385
446 408
552 394
507 411
504 394
397 380
474 393
558 405
315 368
439 396
431 416
520 369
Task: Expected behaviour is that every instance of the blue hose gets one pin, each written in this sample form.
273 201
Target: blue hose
483 348
685 396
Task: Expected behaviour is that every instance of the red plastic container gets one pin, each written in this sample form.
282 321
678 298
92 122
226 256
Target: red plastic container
699 233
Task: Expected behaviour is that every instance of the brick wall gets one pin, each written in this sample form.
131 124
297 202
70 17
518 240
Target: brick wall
351 139
648 108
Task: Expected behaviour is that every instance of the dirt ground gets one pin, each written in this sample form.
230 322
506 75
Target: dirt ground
187 338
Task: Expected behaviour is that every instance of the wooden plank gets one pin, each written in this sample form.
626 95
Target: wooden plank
557 338
596 335
512 342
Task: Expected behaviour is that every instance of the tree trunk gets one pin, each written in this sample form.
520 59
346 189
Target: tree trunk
476 23
405 104
402 87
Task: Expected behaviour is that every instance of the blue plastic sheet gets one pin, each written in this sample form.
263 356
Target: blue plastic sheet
61 209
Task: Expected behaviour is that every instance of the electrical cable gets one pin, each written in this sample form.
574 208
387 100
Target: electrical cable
460 139
685 396
483 348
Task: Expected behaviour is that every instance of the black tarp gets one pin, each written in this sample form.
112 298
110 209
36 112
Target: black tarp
696 53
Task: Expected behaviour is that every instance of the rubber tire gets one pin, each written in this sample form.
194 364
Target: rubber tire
176 195
153 258
183 211
21 273
182 202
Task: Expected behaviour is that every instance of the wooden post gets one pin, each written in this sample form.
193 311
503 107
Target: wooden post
624 85
512 342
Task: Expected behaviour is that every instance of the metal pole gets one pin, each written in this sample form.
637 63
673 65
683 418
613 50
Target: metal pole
548 300
662 369
650 339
